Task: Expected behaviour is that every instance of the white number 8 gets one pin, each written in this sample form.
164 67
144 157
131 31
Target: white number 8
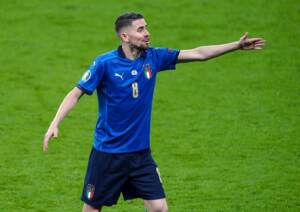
135 90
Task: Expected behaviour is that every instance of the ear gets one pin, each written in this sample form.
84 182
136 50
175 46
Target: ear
124 36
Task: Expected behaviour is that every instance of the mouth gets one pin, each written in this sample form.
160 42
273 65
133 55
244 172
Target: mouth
147 40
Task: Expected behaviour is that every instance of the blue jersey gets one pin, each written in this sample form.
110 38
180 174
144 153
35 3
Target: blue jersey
125 91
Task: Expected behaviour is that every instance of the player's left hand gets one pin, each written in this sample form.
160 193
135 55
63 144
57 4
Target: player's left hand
246 43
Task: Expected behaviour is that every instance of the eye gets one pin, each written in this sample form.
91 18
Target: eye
140 29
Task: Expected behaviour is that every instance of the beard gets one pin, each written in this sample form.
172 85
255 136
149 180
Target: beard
140 47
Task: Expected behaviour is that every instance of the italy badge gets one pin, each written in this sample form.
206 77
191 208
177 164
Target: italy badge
90 189
147 71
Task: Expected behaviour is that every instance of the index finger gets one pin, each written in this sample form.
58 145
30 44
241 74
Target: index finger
256 39
46 142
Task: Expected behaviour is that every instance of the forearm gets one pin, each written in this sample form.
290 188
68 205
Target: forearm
208 52
65 107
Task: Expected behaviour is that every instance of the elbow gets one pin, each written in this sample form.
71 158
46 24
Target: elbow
201 56
204 59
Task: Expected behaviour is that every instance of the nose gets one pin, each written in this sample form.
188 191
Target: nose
147 33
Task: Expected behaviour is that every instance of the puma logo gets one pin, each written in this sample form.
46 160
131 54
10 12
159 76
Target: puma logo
119 75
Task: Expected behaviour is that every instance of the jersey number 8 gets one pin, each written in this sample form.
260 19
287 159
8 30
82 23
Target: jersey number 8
135 90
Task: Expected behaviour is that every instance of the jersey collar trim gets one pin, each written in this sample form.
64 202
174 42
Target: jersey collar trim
122 54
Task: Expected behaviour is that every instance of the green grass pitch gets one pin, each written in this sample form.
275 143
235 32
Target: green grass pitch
225 133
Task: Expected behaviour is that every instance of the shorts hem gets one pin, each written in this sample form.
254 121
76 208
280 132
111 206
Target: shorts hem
144 198
154 198
98 206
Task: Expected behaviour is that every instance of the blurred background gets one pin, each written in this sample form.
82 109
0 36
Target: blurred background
225 133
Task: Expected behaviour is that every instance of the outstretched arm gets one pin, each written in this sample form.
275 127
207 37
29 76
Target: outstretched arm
203 53
67 104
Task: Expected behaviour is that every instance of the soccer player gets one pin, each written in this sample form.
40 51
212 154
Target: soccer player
120 160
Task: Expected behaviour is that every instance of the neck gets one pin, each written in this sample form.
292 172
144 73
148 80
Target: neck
131 52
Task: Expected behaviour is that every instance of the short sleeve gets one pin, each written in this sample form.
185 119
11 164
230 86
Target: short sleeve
91 78
167 58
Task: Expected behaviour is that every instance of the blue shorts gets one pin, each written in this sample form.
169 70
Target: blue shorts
135 175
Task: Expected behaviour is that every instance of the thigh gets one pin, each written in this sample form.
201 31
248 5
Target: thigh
156 205
88 208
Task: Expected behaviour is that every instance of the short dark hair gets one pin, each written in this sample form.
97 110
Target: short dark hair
126 19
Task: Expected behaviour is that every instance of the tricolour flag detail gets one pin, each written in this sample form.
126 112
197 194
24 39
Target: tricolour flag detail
90 195
147 71
90 191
